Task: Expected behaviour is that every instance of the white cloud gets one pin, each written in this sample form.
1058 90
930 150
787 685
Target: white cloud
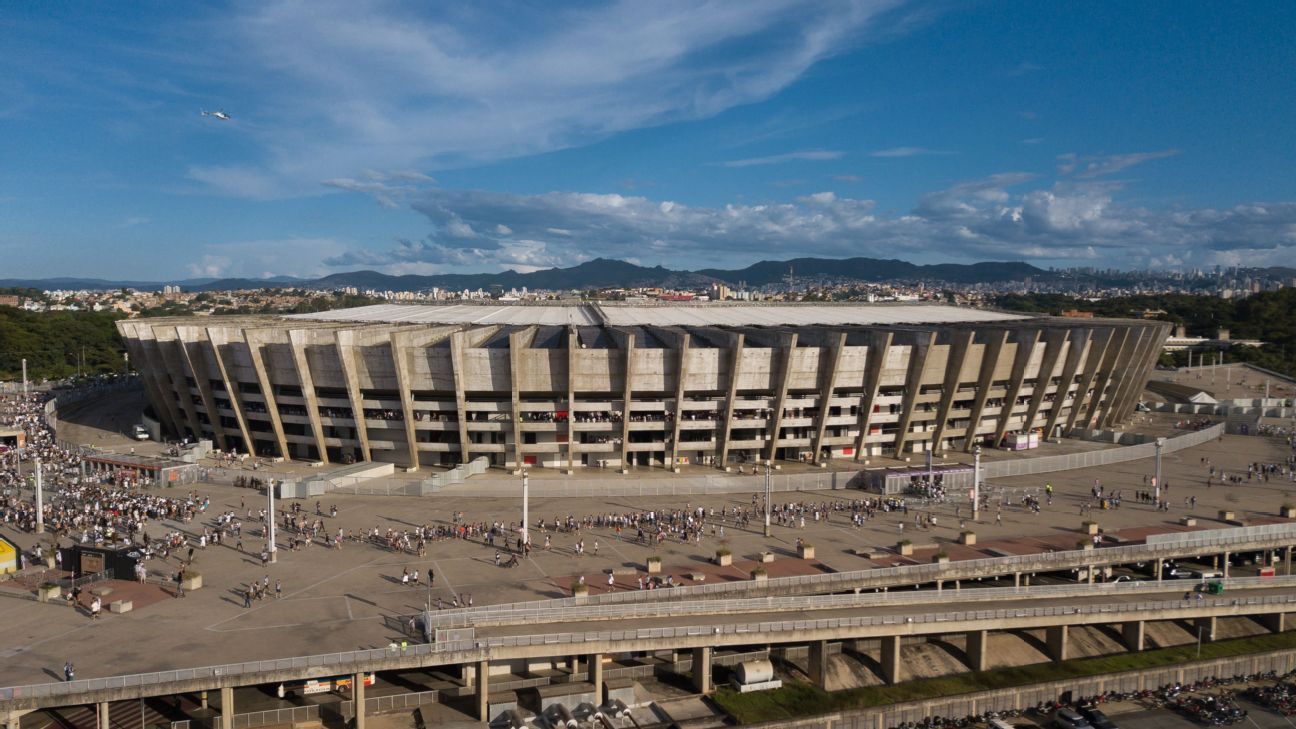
813 155
982 219
260 258
906 152
1090 166
364 85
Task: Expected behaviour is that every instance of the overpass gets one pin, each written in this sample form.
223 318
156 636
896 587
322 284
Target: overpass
700 627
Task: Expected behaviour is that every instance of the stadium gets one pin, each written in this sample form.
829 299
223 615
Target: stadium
635 385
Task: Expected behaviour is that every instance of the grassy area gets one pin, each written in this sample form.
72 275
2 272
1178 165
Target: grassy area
799 700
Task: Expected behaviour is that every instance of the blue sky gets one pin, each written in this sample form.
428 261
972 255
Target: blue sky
425 138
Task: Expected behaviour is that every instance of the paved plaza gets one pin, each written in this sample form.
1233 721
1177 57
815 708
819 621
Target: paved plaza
337 600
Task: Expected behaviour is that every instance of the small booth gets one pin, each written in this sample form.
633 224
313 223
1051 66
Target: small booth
117 560
900 480
143 470
8 556
12 439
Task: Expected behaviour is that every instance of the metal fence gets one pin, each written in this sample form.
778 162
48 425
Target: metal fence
1283 535
491 615
1091 459
363 660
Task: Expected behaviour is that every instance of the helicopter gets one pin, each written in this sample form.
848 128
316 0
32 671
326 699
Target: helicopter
218 114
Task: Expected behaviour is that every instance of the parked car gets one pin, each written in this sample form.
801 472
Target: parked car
1207 574
1096 718
1068 718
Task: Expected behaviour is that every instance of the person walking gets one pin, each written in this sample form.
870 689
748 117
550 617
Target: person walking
69 671
278 589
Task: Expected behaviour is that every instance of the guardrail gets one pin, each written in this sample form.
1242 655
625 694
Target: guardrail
477 617
1283 536
363 660
1090 459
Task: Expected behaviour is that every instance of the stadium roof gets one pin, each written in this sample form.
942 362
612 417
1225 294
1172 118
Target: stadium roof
662 315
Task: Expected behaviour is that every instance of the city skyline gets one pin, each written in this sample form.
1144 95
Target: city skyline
370 136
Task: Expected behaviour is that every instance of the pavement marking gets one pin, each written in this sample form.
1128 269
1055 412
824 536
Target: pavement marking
212 626
347 600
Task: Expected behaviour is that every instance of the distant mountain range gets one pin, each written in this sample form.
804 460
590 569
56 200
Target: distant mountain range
598 273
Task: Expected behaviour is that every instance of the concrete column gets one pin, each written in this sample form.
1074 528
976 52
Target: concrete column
879 342
977 641
1206 627
817 663
596 675
1089 572
1287 571
989 357
780 399
12 719
227 707
483 690
1132 632
1158 568
358 698
1275 622
1016 579
1225 567
103 714
1056 638
702 669
890 660
918 352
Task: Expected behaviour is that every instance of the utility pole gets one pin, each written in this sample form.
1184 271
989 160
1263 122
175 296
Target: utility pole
24 377
767 497
526 509
271 547
1156 480
40 501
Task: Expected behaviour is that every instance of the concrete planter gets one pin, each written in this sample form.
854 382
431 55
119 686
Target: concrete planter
1188 521
654 565
50 562
806 551
1287 511
191 581
766 557
1090 527
49 593
1085 545
580 591
968 538
904 549
724 559
759 575
940 559
1226 515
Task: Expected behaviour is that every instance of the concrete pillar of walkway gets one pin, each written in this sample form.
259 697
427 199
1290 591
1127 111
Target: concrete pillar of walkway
202 700
103 714
940 584
1226 564
1133 634
1158 568
891 671
1287 571
1016 579
483 690
227 707
1275 622
596 675
13 719
817 663
702 669
977 641
1089 572
1056 638
358 698
1205 628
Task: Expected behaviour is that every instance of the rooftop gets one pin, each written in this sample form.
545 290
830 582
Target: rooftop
702 314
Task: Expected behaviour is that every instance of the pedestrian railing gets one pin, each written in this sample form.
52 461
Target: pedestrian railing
481 647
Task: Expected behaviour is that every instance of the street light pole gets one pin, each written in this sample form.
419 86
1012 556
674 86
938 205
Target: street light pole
1156 479
526 508
767 497
976 482
271 547
40 503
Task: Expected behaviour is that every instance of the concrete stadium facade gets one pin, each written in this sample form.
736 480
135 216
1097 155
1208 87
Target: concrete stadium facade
635 386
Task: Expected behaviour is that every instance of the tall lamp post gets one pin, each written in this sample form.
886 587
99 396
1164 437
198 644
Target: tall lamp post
767 496
526 508
1156 479
271 548
40 502
976 482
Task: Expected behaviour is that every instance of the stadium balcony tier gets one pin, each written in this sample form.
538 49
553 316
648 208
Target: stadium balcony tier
604 385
